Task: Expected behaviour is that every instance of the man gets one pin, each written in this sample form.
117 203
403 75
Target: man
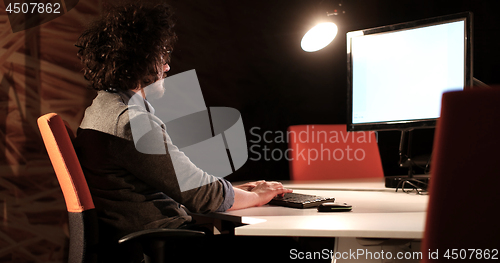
125 51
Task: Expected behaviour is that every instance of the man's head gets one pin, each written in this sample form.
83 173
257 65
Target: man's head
128 47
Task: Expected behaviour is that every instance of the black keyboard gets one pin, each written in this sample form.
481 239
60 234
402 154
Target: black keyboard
297 200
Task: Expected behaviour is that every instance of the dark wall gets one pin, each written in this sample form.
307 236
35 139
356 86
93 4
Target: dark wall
247 55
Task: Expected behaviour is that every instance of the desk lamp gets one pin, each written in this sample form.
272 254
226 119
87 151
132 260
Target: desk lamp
323 33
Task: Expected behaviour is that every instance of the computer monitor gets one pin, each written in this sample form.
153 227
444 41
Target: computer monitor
398 73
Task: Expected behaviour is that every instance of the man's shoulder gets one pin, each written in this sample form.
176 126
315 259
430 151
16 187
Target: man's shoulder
112 113
105 112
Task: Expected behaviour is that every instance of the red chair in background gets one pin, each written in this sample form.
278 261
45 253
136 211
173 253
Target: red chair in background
462 219
329 152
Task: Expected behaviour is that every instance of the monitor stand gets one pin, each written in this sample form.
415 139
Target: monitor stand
411 182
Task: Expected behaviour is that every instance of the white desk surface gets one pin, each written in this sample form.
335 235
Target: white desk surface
377 213
367 184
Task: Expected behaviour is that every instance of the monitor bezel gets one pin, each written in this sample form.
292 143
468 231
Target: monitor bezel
407 124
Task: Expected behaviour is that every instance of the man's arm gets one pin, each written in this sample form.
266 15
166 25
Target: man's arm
256 195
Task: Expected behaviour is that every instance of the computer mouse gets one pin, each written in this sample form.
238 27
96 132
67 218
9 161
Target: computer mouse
334 207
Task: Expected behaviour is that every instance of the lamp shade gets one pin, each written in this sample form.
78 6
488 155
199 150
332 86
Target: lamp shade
319 36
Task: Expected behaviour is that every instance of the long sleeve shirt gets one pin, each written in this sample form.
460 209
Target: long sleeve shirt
132 190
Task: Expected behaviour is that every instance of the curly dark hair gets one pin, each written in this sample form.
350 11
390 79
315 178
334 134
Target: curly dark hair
127 46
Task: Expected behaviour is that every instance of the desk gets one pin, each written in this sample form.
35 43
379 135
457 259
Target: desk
374 215
378 212
366 184
381 219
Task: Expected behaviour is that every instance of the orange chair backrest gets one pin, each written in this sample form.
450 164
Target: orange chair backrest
328 152
65 162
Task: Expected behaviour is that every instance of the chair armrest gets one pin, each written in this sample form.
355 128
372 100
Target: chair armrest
154 241
160 233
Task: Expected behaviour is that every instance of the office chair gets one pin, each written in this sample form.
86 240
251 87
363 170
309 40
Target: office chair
84 244
463 192
329 152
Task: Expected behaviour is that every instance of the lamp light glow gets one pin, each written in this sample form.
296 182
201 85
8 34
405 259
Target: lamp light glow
319 36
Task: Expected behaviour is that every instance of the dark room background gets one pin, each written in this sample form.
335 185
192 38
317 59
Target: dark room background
247 55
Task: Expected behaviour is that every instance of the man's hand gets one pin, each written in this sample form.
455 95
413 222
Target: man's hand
249 186
268 190
256 193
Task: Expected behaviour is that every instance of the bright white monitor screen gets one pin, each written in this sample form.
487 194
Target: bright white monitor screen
401 75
